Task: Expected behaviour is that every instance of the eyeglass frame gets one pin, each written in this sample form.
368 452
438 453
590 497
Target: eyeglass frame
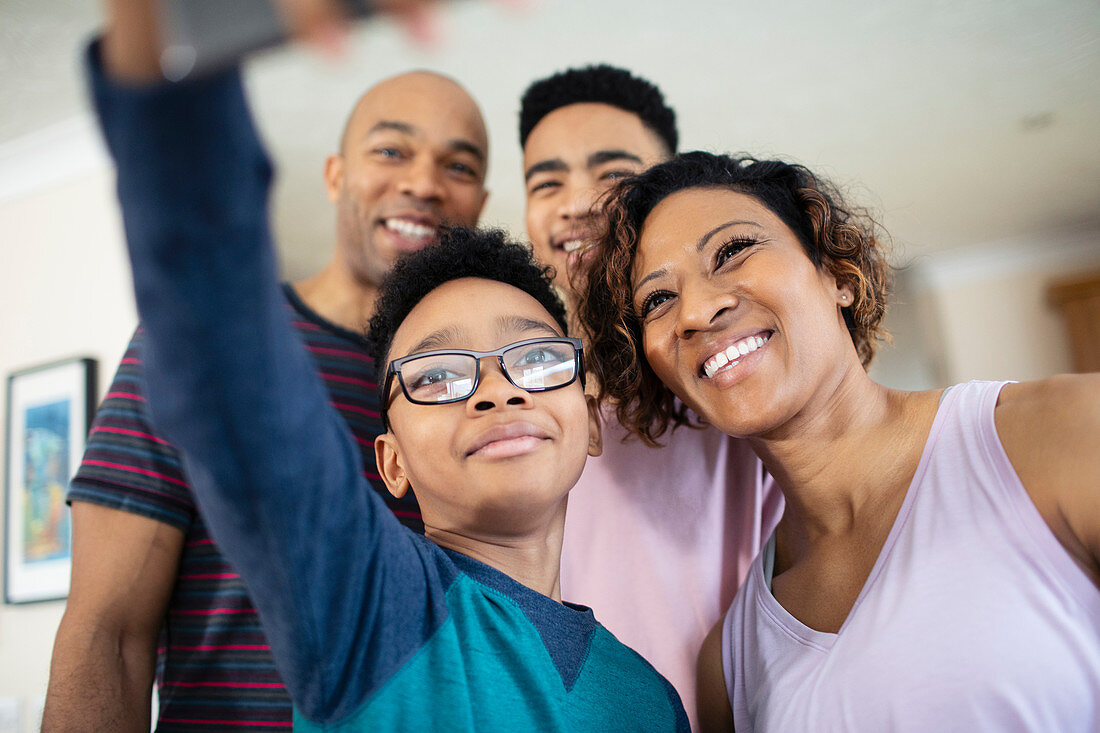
394 369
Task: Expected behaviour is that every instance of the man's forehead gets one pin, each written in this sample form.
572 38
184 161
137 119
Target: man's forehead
422 103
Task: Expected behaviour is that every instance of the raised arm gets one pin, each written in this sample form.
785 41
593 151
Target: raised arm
274 471
1050 430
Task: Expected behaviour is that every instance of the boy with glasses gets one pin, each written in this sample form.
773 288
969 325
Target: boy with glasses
372 626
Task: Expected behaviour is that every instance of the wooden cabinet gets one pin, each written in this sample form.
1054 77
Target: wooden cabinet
1078 300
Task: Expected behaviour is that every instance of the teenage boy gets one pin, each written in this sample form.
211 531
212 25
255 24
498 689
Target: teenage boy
412 157
658 539
372 625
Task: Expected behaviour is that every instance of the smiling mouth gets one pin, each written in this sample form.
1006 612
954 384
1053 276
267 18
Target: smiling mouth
506 441
732 354
571 243
414 231
508 447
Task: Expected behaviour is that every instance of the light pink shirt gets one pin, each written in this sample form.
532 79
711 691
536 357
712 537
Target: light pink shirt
657 540
973 618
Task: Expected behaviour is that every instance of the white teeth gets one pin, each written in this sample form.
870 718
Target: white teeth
572 245
732 354
712 366
410 229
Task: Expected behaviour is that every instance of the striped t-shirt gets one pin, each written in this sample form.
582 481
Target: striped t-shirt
214 670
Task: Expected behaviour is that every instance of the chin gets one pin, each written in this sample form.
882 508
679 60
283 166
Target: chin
511 512
734 418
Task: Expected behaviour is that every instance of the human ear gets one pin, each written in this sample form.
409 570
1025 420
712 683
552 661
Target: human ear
844 294
595 430
841 290
484 200
334 176
387 456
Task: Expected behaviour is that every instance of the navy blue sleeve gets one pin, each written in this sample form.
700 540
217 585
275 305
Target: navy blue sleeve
345 593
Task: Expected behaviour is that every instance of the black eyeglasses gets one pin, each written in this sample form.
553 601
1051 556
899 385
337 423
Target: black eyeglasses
452 375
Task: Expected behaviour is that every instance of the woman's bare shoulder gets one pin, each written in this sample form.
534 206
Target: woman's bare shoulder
1050 430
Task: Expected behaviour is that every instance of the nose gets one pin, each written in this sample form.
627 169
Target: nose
421 180
580 201
494 390
701 305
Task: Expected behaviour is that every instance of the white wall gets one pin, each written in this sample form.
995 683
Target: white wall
986 305
66 293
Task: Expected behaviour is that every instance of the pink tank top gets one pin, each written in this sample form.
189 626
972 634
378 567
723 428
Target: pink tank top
973 618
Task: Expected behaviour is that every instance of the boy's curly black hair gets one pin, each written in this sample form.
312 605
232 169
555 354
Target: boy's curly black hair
601 84
483 253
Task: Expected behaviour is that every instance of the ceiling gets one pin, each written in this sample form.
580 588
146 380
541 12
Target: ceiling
958 122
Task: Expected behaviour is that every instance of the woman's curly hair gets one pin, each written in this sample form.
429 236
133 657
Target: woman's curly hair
843 239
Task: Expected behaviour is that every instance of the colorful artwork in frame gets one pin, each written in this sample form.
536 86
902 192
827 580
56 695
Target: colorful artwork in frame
49 410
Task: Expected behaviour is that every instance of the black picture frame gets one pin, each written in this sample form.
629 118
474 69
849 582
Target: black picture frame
48 414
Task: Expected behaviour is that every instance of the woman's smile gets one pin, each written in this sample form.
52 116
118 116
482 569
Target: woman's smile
728 358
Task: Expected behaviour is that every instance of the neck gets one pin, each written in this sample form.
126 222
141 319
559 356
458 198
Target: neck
843 458
338 297
532 558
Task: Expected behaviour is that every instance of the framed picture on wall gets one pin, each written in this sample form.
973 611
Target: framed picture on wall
49 411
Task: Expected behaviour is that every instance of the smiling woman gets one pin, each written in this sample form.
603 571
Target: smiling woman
833 235
938 562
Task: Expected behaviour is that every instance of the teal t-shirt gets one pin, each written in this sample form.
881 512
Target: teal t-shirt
510 659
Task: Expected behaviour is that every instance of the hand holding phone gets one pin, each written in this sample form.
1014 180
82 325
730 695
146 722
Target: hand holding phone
200 36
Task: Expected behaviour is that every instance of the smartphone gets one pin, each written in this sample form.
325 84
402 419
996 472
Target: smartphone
201 36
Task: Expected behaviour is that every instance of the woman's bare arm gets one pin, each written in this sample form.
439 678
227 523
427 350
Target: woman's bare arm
712 700
1050 430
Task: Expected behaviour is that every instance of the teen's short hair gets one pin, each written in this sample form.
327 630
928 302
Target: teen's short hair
482 253
602 84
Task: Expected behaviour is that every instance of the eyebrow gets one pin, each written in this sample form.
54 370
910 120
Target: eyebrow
459 145
557 165
651 276
437 339
736 222
698 248
553 165
465 146
402 127
521 324
606 156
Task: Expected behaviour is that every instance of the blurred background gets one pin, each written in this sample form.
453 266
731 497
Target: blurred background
971 128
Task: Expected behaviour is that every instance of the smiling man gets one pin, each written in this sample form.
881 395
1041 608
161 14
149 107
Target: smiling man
657 540
411 159
413 156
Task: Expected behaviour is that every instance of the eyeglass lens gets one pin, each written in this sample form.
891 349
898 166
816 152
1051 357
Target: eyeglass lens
445 377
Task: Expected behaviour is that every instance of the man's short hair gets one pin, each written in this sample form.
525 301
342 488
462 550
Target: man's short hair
482 253
601 84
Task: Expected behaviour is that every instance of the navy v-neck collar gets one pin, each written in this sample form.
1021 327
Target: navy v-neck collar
566 628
